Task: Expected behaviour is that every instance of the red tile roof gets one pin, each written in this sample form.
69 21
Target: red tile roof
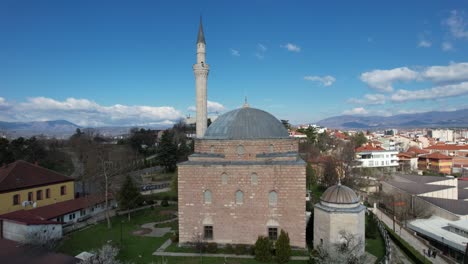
21 174
417 150
15 253
436 155
58 209
448 147
42 214
408 155
369 148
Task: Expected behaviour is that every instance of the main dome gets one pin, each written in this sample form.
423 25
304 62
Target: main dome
246 123
339 194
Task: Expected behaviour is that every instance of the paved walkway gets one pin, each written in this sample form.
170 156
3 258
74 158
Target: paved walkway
158 231
174 254
407 236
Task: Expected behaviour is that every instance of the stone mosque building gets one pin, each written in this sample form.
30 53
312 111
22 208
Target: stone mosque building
245 178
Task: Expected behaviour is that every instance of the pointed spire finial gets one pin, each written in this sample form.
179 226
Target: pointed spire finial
246 104
201 36
339 180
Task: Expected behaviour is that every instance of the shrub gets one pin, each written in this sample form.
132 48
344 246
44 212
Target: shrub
229 249
164 203
263 248
371 227
175 237
283 248
240 249
212 247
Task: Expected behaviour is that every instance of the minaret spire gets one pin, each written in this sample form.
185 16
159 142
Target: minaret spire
201 36
201 69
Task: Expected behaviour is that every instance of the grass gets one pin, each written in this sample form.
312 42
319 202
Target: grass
375 246
210 260
137 249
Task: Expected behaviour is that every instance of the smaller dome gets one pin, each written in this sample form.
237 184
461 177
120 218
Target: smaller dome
339 194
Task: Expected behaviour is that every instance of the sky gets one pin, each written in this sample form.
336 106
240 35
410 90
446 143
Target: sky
114 63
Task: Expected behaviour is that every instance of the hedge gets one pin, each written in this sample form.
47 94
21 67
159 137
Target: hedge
412 253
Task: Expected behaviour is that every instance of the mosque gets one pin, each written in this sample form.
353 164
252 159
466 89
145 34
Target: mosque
245 178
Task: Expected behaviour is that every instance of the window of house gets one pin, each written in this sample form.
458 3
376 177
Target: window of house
224 178
63 190
273 233
71 216
371 163
254 178
240 150
83 212
211 149
47 193
16 199
208 232
239 197
39 195
272 198
270 148
207 196
30 196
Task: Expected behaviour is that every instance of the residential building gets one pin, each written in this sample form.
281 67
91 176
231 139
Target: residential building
442 135
435 162
26 186
369 156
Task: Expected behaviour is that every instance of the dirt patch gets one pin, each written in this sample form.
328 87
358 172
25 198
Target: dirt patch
142 232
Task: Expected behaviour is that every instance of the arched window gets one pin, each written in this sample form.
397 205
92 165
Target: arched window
207 197
270 148
224 178
240 150
273 198
211 149
239 197
254 178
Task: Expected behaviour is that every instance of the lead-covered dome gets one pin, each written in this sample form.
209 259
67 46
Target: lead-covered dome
339 194
246 123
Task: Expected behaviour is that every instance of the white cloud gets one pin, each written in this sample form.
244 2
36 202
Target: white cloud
261 47
88 113
449 90
212 107
325 80
382 80
447 46
356 111
234 52
453 72
424 44
291 47
456 24
369 99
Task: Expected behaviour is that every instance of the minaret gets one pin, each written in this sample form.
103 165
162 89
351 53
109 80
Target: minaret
201 69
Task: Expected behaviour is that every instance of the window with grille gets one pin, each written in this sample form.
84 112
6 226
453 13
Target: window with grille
208 232
273 233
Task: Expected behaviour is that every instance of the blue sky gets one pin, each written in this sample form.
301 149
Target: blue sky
130 62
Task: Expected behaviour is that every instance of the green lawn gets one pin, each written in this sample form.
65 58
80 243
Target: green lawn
375 246
137 249
207 260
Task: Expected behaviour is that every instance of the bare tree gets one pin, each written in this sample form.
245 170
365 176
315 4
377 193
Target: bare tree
105 255
349 251
42 240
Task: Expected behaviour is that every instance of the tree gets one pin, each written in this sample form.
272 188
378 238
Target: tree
263 249
311 133
330 173
107 254
359 139
283 248
348 251
129 196
311 176
286 123
167 151
310 231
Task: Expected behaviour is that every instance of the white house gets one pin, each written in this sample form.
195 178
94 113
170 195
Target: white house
376 157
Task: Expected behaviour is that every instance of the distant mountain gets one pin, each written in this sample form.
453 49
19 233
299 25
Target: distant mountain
57 128
457 118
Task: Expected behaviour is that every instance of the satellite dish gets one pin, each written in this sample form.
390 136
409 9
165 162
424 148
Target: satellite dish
25 203
34 204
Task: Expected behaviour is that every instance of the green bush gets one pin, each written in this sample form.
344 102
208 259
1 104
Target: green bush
175 237
371 227
283 248
240 249
263 249
164 203
229 249
212 247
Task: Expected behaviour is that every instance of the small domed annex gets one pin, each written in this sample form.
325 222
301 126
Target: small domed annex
339 194
246 123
